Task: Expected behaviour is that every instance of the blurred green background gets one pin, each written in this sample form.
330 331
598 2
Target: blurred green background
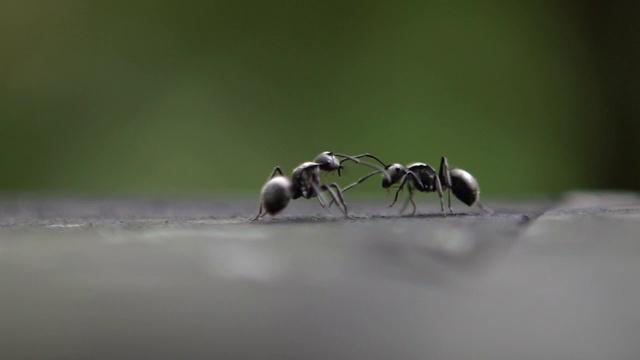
208 96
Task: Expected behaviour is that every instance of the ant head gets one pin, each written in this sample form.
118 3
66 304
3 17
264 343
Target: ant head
392 174
328 161
464 186
276 194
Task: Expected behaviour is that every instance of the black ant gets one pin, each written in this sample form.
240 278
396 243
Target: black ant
423 177
305 182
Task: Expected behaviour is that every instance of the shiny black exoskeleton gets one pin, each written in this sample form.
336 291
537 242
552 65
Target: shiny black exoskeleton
305 182
424 178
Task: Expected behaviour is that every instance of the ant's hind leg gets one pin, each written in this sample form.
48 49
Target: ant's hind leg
439 190
259 212
486 210
445 177
444 173
276 170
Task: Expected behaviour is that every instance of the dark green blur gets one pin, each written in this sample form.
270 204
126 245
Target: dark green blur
206 97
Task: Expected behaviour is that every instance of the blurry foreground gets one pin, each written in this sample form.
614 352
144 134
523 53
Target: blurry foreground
186 278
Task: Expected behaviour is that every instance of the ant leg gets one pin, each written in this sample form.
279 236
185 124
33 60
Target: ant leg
319 189
402 184
321 201
336 195
416 181
339 196
439 190
409 200
259 213
445 177
444 173
414 205
484 209
418 185
276 170
400 188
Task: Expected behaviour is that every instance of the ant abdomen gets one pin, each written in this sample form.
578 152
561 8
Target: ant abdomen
464 186
276 194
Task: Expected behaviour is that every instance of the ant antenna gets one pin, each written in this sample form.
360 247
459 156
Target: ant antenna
356 157
356 160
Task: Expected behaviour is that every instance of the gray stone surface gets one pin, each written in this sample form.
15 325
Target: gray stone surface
132 278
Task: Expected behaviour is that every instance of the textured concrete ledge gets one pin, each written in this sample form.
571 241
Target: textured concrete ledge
133 278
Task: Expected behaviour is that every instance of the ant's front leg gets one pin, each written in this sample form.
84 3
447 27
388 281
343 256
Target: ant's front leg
400 188
322 201
417 182
337 196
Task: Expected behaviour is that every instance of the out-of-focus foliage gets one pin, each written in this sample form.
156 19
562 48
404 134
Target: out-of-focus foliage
121 96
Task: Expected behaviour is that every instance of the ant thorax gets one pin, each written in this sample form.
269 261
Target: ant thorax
423 171
392 174
416 165
305 178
